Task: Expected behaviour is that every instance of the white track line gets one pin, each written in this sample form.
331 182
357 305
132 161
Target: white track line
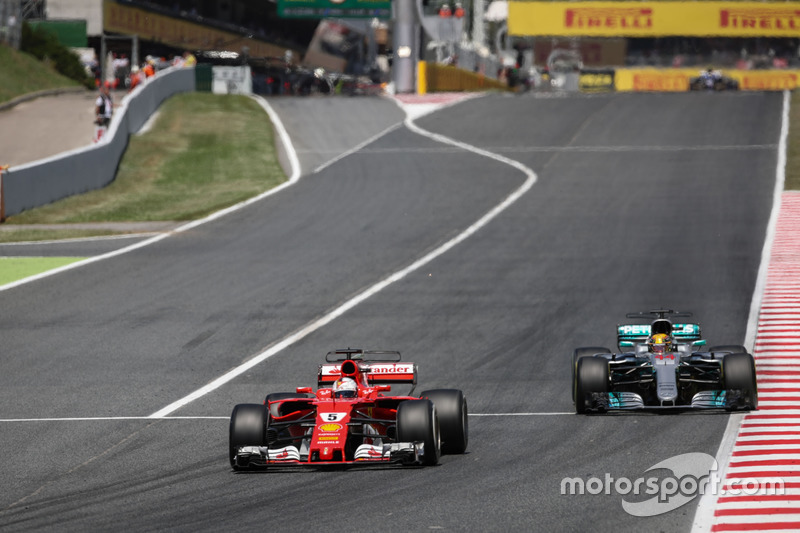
123 418
704 516
374 289
295 176
357 147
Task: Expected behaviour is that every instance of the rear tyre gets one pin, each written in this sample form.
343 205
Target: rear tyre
248 428
580 353
417 421
729 348
451 409
591 376
739 373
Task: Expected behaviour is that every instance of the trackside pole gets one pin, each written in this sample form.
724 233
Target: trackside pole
2 195
406 46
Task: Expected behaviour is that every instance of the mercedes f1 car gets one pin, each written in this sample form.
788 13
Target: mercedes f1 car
350 420
665 367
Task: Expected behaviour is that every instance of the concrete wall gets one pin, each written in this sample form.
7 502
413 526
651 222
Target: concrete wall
42 182
89 10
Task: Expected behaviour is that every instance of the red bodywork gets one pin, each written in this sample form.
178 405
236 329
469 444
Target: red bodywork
334 429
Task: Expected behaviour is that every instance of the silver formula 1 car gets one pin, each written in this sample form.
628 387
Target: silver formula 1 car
665 367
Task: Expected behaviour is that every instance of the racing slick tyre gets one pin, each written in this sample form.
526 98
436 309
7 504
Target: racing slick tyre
728 348
248 428
580 353
282 396
739 373
590 376
451 408
417 421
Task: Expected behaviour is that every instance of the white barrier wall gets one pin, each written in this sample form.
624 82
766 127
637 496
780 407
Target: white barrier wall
78 171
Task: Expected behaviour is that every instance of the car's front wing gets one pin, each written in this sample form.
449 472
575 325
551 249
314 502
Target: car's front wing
406 453
618 401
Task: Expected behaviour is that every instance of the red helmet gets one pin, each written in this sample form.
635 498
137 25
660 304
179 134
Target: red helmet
345 388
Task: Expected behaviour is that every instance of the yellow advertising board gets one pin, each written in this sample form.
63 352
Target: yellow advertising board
173 31
672 80
654 19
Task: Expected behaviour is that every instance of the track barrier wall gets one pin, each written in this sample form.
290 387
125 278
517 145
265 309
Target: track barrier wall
439 78
94 166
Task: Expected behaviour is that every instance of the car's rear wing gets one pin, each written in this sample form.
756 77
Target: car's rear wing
630 334
373 373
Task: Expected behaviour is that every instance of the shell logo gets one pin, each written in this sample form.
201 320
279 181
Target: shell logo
330 427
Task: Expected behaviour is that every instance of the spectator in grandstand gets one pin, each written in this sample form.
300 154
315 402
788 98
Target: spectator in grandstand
149 68
188 59
137 77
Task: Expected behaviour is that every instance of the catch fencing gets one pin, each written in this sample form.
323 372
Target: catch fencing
95 166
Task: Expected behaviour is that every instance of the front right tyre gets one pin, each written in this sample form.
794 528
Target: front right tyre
591 377
580 353
248 427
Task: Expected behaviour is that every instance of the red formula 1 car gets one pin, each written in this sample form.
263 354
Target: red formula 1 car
350 420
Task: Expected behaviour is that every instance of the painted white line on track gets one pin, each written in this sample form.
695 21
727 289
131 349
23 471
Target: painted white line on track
294 163
150 418
705 519
374 289
569 413
357 147
111 418
85 239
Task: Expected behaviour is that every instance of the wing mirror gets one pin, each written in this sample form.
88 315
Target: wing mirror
701 342
304 390
626 344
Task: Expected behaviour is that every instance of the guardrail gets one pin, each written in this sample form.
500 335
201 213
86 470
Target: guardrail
94 166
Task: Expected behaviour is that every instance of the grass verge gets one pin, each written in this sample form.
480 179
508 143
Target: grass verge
22 73
15 268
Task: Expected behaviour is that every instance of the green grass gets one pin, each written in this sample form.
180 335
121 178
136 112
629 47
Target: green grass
793 146
21 73
15 268
204 153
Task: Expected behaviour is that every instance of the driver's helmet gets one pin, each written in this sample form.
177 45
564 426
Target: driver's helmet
345 388
659 343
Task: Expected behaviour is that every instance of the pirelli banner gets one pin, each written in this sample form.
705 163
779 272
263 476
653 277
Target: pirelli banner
654 19
671 80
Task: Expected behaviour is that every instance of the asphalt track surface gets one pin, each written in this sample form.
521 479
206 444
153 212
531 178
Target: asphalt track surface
641 201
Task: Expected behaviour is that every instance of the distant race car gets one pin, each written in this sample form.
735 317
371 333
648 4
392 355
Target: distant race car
663 370
712 80
349 420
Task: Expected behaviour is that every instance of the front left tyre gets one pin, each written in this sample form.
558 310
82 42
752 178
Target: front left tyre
417 421
739 374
